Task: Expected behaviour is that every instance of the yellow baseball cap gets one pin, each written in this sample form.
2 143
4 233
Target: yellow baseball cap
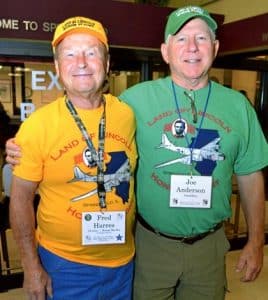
79 25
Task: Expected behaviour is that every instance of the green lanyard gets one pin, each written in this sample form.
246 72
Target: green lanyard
194 115
98 156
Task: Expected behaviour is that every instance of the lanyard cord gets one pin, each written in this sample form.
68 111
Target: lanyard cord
97 156
193 107
201 122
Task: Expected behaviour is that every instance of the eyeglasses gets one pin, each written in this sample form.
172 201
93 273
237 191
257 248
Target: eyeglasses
193 107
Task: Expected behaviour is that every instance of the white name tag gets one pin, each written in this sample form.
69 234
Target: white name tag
190 191
103 227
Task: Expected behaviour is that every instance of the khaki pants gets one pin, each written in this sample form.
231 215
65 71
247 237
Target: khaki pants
166 269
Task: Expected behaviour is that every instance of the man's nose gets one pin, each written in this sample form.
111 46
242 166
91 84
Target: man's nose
82 62
192 44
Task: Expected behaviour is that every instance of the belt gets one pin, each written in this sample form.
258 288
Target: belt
187 240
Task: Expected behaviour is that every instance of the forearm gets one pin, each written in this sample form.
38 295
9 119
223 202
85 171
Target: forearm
251 188
22 219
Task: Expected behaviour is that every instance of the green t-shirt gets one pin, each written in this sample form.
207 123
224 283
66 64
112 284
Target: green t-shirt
227 140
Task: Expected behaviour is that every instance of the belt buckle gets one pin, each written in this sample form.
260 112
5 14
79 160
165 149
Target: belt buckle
187 240
182 240
193 239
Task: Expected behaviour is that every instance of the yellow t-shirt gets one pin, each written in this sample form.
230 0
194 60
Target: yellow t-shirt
53 149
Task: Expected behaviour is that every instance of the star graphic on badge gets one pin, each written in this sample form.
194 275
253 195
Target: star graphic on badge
119 237
119 216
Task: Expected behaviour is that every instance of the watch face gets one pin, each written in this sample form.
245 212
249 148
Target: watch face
179 128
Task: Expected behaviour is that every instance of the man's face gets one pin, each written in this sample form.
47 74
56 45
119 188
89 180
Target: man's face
88 158
88 154
179 127
190 53
81 63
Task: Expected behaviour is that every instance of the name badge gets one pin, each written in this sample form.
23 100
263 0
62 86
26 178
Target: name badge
100 228
190 191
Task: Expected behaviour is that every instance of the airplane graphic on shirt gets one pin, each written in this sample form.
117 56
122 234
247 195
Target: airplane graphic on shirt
114 177
209 151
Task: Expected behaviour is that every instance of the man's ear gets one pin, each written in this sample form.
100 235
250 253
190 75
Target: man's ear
216 47
108 64
56 64
164 52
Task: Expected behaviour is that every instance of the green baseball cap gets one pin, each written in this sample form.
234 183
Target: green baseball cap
180 16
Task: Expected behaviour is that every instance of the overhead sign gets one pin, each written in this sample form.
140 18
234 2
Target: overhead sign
128 24
26 25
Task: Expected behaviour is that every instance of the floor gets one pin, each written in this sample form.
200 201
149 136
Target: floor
257 290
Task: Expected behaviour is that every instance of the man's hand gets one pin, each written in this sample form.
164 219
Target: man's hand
37 283
13 152
250 261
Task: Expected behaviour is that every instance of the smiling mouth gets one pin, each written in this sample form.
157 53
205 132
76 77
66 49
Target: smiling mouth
192 61
83 75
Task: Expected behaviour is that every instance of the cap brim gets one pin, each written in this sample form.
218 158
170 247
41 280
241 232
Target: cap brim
210 22
99 36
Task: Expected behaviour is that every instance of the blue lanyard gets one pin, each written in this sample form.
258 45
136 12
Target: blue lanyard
201 122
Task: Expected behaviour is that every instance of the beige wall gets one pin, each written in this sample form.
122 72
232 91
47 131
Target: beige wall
238 9
233 10
247 81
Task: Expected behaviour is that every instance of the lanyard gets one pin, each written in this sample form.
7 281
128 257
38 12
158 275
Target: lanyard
98 156
201 122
